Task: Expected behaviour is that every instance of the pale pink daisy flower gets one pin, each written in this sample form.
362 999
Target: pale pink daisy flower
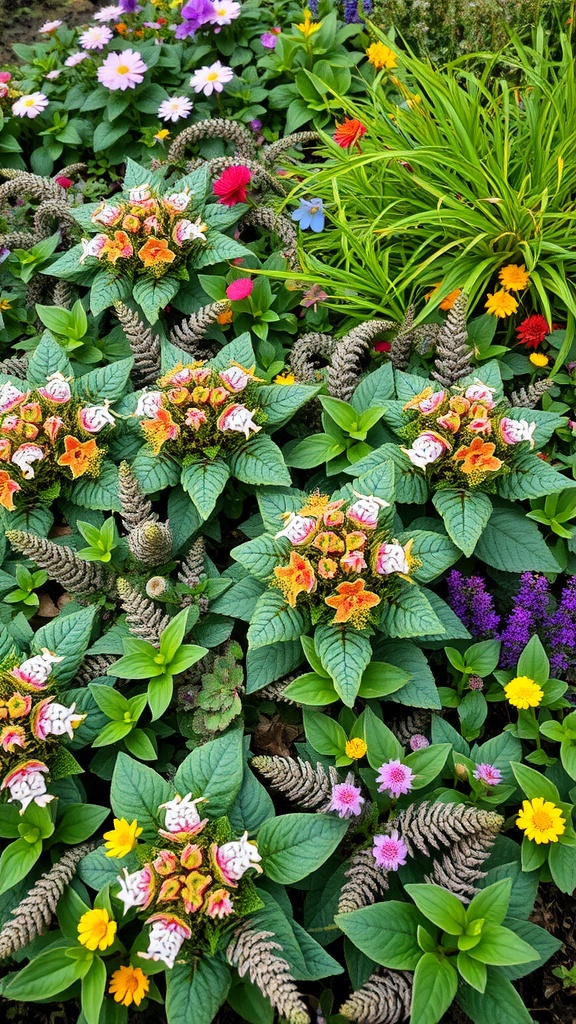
346 799
53 75
225 12
175 108
488 773
95 38
395 778
31 105
76 58
211 78
122 70
110 13
49 27
389 852
418 741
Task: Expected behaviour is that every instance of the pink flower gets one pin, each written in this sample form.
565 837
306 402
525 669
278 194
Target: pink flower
27 785
11 396
428 447
93 247
366 510
94 418
35 671
106 215
165 863
151 224
56 390
230 187
75 58
5 76
167 934
136 889
298 528
123 70
353 561
391 558
109 13
480 426
515 431
488 773
480 392
449 421
31 105
240 289
395 778
51 719
235 378
219 904
237 418
49 27
428 405
24 456
182 819
12 736
53 75
418 741
237 857
389 852
51 426
195 418
346 798
95 37
189 231
63 181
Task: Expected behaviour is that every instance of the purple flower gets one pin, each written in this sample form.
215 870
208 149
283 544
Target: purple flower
472 604
351 16
418 741
389 852
475 683
395 778
195 14
268 40
129 6
560 631
255 124
346 799
488 773
526 617
4 253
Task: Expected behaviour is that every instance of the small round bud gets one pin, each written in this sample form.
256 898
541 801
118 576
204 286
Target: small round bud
461 771
418 741
156 586
476 683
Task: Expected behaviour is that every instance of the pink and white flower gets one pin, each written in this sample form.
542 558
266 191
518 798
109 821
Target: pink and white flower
395 778
480 425
225 12
56 389
107 215
235 378
515 431
195 418
11 396
234 859
94 418
51 426
123 70
11 737
149 403
211 78
93 247
30 105
140 193
165 863
27 785
167 934
353 561
95 38
52 719
36 670
346 799
480 392
49 27
24 456
429 405
391 558
175 108
189 231
218 904
418 741
298 528
136 889
75 58
110 13
427 448
366 510
182 818
488 773
238 419
389 852
53 75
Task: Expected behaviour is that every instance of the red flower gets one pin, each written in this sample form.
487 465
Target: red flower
63 181
532 331
240 289
349 132
230 187
382 346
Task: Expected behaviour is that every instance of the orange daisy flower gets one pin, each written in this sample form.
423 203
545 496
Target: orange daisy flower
349 132
119 246
295 578
80 456
8 488
478 456
156 250
162 428
352 603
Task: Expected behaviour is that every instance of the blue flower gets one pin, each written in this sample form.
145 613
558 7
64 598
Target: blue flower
310 214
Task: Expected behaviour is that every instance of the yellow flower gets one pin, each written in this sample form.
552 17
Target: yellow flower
381 56
538 359
122 838
162 134
541 820
96 930
128 985
355 748
514 278
4 305
501 304
308 27
522 692
285 378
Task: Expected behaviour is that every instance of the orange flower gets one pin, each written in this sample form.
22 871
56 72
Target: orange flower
450 299
349 132
162 428
81 456
296 578
156 250
352 603
8 488
226 317
478 456
119 246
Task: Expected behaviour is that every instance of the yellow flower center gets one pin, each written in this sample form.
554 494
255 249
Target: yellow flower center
122 69
29 102
212 76
542 820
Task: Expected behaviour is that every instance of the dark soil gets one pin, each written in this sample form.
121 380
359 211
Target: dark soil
20 22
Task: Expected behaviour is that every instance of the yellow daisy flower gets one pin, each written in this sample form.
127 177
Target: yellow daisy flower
538 359
121 839
541 820
96 930
501 304
522 692
285 378
381 56
355 748
128 985
514 278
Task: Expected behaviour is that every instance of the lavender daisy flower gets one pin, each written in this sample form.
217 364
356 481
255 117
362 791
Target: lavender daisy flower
488 773
395 778
346 798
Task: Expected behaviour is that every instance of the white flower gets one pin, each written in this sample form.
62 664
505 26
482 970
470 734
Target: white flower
52 75
107 215
76 58
235 378
110 13
49 26
177 202
57 388
297 528
366 510
211 77
237 857
92 247
24 456
237 418
186 231
95 37
35 670
391 558
137 889
175 108
181 815
225 12
166 937
140 193
515 431
27 785
426 448
10 396
94 418
480 392
149 403
31 105
56 720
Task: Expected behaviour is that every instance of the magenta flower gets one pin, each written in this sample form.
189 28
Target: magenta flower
240 289
389 852
268 40
488 773
346 799
418 741
123 70
395 778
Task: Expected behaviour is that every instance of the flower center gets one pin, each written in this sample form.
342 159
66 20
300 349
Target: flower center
542 821
397 775
212 76
314 209
122 69
29 103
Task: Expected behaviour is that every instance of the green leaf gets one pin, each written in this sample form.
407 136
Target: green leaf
219 248
513 543
267 664
279 402
427 763
46 359
137 792
67 636
17 860
500 1002
273 621
311 689
155 472
500 946
259 461
261 555
532 477
473 972
107 289
214 771
562 863
44 977
440 906
380 680
344 654
253 804
313 451
154 294
386 932
93 990
491 903
294 845
100 492
197 993
465 515
78 822
324 734
436 552
534 784
533 662
435 985
420 691
106 382
204 482
409 613
382 744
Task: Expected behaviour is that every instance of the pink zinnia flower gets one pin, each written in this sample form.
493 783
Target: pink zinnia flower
395 778
488 773
230 187
418 741
122 70
240 289
346 799
389 852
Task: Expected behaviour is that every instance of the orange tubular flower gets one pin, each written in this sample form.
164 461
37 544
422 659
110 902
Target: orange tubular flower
348 133
352 603
8 488
154 251
478 456
159 430
296 578
80 456
117 247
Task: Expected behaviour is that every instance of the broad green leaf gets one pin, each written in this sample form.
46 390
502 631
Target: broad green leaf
435 985
513 543
204 482
259 461
294 845
344 653
408 614
386 932
214 770
324 733
196 993
17 860
499 1002
499 946
465 515
491 903
44 977
532 477
427 763
274 621
440 906
534 784
137 792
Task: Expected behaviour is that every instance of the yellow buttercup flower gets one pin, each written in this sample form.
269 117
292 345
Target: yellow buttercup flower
538 359
541 820
285 378
501 304
4 305
381 56
96 930
308 27
122 838
128 985
514 278
522 692
162 134
355 748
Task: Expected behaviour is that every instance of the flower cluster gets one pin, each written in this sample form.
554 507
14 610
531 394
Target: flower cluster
47 434
147 233
340 559
200 412
462 437
191 880
32 722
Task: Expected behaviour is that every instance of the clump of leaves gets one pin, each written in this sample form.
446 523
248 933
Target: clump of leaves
216 699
